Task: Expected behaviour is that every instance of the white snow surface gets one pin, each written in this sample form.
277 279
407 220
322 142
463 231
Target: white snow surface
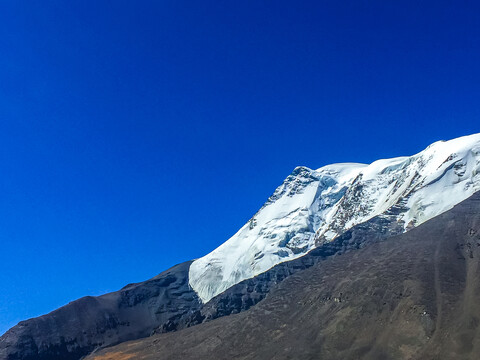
312 207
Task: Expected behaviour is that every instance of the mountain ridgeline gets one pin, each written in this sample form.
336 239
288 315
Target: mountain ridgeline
333 231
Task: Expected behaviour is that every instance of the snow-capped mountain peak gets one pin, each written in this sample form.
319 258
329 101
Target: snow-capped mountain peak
312 207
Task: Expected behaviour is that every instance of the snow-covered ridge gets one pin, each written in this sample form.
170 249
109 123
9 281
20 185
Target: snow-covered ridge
315 206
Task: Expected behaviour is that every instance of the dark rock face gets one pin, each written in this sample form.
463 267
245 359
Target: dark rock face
249 292
412 296
89 323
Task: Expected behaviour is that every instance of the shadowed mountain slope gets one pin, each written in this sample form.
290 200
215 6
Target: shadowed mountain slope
80 327
413 296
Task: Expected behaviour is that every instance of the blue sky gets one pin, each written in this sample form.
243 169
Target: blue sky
135 135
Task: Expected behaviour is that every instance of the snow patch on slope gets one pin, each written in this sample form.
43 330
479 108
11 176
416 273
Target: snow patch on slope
312 207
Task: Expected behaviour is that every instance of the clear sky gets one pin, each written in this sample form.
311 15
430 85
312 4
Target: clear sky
135 135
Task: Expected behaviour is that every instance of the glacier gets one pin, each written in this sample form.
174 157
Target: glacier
312 207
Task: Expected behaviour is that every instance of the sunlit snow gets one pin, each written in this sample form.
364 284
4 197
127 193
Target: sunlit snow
315 206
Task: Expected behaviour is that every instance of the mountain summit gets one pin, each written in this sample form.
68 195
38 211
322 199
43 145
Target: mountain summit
312 207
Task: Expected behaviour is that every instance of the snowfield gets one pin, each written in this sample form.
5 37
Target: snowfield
315 206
